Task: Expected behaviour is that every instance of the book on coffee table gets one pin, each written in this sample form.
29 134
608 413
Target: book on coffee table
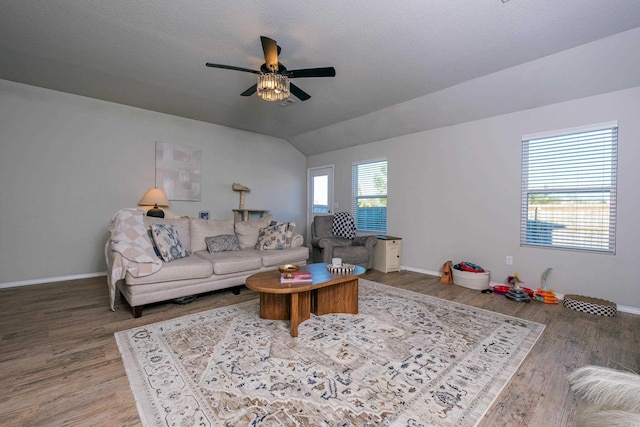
297 277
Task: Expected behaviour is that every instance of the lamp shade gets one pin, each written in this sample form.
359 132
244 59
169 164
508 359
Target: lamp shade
154 196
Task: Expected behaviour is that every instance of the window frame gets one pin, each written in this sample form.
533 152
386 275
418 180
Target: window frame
588 225
378 226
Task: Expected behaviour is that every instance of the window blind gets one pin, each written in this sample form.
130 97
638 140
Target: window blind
369 195
569 189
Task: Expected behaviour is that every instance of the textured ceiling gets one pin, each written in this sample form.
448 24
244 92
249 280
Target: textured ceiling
394 57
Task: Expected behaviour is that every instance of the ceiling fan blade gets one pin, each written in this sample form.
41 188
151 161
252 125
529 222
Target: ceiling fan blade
231 67
250 91
299 93
311 72
270 49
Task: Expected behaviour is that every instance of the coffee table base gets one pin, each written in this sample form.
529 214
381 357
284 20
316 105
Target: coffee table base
338 298
295 307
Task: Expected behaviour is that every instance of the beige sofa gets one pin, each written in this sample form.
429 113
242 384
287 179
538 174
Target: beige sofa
204 271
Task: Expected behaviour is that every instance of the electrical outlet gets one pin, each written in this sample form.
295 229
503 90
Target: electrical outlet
509 260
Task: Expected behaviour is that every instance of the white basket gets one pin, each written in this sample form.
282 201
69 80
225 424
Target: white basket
471 280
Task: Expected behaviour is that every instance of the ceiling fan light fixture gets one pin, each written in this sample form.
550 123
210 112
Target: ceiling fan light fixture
273 87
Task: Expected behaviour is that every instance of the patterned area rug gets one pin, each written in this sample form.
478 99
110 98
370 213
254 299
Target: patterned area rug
406 359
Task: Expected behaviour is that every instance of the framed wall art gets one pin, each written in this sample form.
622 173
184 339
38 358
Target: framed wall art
178 171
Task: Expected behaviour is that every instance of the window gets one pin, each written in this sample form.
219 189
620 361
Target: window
369 195
569 189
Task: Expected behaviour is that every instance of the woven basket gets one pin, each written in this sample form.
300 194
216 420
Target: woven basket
590 305
471 280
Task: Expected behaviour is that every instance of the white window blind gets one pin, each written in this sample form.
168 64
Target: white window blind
569 189
369 195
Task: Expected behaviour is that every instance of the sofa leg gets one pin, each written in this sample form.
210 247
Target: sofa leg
137 311
236 290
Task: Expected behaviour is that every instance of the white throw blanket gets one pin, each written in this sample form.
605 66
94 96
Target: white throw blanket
129 249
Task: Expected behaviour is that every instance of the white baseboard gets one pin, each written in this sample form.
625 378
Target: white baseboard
631 310
51 280
621 308
420 270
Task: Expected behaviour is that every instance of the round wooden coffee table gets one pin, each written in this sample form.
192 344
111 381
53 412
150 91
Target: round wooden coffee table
328 293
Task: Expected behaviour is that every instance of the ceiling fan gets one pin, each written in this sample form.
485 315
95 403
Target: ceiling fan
273 78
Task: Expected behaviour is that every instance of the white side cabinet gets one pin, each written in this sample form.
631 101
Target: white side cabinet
387 254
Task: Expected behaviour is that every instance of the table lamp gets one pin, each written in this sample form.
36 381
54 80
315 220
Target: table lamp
154 197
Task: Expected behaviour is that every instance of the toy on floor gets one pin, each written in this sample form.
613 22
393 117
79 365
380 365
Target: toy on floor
546 295
517 293
514 280
446 276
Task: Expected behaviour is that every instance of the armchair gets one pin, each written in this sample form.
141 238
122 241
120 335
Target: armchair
325 245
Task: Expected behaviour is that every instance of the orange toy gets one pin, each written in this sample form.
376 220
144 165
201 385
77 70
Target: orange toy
545 295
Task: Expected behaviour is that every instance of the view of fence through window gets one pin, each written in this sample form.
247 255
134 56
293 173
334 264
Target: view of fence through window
369 195
569 190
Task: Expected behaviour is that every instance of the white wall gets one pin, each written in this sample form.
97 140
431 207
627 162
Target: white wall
68 163
454 194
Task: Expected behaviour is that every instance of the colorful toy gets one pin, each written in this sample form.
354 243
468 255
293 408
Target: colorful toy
545 295
514 280
517 293
501 289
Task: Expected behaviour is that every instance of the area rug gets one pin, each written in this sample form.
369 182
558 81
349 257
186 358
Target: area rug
406 359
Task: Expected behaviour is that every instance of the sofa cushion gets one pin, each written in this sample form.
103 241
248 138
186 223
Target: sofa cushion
247 231
192 267
285 256
223 243
202 228
322 225
352 254
232 261
168 242
273 237
181 224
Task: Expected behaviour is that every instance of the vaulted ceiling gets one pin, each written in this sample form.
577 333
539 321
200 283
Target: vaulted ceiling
402 66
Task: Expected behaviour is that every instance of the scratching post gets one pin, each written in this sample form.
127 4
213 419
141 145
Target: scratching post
241 189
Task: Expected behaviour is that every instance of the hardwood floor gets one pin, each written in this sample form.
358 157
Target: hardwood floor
60 365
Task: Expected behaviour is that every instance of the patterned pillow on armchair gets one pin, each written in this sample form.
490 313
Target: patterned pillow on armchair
344 225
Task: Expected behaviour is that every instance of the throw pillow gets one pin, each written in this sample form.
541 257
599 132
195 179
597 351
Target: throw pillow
247 231
223 243
290 226
272 237
168 242
344 225
153 243
203 228
181 225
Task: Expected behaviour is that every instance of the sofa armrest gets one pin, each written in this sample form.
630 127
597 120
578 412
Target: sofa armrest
297 240
368 241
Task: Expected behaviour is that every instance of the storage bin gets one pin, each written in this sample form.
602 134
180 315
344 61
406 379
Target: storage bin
471 280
